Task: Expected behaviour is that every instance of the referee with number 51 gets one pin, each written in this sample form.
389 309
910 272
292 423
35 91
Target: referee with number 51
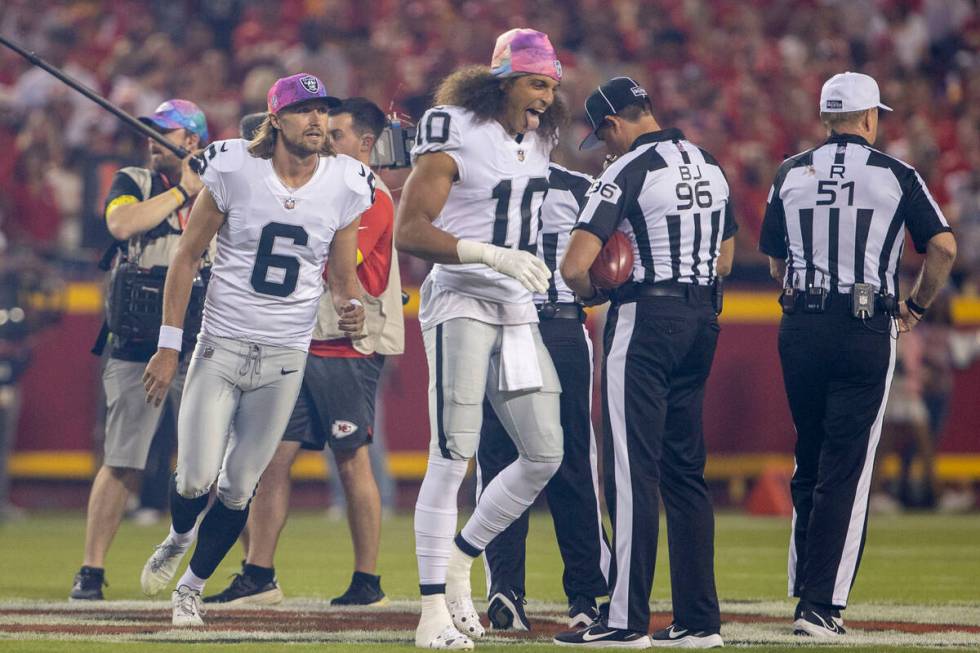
833 231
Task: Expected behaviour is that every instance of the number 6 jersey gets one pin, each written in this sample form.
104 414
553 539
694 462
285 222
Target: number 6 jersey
265 284
496 199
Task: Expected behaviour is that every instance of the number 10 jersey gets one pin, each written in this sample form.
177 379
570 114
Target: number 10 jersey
496 199
266 281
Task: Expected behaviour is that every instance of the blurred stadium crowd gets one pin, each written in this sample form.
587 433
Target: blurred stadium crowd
740 77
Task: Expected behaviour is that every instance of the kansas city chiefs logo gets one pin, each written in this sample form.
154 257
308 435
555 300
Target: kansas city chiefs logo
341 428
311 84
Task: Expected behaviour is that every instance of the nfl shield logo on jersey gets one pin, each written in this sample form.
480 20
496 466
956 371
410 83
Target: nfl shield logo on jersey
311 84
289 203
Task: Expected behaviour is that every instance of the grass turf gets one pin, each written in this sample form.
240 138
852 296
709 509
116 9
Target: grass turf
914 559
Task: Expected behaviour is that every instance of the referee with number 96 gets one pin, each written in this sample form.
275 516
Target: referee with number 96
833 231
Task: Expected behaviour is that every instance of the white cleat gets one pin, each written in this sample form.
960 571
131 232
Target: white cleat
447 639
465 617
187 607
159 570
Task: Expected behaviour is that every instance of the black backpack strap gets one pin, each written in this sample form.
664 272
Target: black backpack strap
101 339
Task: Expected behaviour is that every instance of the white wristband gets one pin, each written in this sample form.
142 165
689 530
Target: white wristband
470 251
170 338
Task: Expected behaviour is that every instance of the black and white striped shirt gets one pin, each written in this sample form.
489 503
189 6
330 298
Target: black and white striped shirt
835 215
671 199
562 204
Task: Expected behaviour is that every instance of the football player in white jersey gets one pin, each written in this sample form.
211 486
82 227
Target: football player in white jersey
471 207
279 205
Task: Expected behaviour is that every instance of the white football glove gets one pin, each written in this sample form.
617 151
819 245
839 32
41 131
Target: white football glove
516 263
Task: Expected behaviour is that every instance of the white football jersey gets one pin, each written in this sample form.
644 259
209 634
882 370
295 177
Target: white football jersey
266 280
497 199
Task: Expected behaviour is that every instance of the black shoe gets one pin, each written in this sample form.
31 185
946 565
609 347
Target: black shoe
87 585
817 621
245 590
506 611
582 612
364 590
674 635
599 636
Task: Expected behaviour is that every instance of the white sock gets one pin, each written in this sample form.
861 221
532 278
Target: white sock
191 580
508 495
435 517
183 539
458 567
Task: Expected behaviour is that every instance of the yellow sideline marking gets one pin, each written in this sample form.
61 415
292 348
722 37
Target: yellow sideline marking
741 306
410 465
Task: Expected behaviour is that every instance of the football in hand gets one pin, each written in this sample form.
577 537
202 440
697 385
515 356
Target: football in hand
614 265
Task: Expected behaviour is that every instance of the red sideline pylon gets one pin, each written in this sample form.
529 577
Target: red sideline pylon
770 495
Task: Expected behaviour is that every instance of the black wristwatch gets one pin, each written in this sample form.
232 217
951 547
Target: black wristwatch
917 311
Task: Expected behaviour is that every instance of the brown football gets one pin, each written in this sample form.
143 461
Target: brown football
614 265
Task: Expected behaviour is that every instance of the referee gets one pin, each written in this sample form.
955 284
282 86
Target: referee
573 491
833 233
671 199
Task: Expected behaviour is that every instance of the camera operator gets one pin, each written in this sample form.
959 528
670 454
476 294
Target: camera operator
146 211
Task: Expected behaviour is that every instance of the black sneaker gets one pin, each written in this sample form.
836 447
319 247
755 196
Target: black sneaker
599 636
582 612
506 611
364 590
87 585
674 635
816 621
245 590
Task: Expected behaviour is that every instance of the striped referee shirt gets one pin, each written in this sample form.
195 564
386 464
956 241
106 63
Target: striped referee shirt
835 215
671 199
562 204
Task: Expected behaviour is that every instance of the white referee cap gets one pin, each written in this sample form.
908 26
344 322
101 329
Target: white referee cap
850 92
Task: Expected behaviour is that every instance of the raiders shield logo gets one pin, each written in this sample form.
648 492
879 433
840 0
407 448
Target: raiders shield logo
311 84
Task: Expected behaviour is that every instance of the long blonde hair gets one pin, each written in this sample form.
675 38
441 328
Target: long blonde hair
263 144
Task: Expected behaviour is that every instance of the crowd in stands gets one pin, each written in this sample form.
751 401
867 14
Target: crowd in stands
741 78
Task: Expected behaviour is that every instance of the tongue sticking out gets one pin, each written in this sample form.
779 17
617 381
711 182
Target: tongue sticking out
533 120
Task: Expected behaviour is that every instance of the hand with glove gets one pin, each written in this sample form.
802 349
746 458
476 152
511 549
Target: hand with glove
518 264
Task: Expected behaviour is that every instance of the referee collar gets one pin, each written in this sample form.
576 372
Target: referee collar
847 138
671 134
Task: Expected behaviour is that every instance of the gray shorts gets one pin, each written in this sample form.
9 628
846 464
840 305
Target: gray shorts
336 404
130 422
236 403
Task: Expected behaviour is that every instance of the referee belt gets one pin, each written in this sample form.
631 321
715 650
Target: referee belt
838 301
561 311
630 292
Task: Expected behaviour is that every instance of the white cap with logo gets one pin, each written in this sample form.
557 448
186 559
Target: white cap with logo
850 92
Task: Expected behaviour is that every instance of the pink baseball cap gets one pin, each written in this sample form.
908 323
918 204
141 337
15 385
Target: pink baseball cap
523 51
294 89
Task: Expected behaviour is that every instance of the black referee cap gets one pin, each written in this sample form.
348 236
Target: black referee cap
607 100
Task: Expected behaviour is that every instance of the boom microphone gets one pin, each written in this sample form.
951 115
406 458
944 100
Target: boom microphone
127 119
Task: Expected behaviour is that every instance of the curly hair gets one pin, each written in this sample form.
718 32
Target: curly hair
478 91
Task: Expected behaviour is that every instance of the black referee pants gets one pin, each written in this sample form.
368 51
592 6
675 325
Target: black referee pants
836 371
658 355
572 492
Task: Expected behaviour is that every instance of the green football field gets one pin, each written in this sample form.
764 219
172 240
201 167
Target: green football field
918 573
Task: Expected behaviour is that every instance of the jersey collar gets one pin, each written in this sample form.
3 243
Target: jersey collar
670 134
847 138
